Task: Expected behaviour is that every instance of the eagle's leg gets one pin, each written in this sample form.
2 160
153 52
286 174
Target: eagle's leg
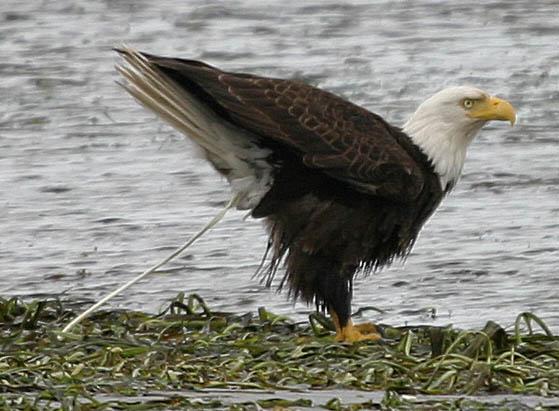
335 289
349 332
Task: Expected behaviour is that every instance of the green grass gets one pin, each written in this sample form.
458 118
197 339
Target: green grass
114 358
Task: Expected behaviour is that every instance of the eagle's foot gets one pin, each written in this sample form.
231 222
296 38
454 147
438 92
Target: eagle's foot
360 332
367 328
352 333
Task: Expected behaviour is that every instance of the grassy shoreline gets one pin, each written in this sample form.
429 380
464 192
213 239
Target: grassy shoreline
120 359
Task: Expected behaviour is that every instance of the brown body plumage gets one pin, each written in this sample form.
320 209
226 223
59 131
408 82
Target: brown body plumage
325 232
343 190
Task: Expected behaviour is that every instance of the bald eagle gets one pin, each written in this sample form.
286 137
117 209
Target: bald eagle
341 190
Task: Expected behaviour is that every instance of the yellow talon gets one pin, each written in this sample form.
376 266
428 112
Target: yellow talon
367 328
352 333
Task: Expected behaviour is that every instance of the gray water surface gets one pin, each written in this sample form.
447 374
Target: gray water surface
94 189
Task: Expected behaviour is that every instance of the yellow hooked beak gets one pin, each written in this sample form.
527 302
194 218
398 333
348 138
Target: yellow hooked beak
493 108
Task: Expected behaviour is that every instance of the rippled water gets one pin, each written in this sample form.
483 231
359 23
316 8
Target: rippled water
94 189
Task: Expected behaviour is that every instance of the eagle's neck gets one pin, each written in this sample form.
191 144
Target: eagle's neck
444 143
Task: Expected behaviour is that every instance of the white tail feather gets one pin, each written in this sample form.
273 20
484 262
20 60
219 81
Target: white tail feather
231 150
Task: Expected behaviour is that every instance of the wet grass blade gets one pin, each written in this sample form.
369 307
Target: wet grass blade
118 356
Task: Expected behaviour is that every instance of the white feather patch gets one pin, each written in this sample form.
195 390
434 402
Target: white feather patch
232 151
443 131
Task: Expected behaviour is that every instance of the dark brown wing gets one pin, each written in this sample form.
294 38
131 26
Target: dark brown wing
342 139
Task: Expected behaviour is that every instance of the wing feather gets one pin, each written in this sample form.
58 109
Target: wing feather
334 135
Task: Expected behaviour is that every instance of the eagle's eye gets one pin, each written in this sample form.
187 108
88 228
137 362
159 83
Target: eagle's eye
468 103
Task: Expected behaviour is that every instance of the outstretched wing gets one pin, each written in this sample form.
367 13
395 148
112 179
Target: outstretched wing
329 133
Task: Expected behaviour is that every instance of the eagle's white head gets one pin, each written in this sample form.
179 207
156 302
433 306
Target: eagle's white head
444 125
